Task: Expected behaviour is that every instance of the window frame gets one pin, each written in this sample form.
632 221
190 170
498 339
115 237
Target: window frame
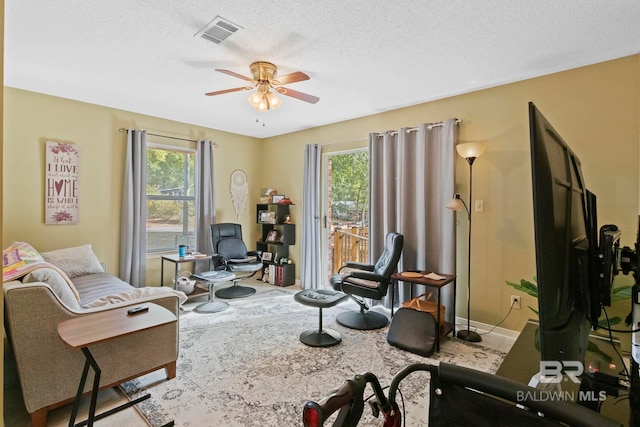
193 199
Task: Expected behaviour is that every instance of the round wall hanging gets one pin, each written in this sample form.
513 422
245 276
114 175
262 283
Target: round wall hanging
239 189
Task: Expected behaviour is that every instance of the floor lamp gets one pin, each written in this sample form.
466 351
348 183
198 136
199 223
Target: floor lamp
470 151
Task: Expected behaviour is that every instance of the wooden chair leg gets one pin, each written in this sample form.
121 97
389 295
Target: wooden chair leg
171 370
39 417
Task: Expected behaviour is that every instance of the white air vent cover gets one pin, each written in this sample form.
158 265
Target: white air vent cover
218 30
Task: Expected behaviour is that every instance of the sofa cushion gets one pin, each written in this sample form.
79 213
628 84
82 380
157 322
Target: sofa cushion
61 285
135 294
95 286
19 259
76 261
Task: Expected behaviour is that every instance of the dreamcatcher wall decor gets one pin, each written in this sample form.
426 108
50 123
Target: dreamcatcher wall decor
239 189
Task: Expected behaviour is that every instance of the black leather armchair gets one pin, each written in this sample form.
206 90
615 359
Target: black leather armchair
368 281
230 254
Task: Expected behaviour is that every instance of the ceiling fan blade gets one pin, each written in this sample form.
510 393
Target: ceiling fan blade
220 92
234 74
298 76
298 95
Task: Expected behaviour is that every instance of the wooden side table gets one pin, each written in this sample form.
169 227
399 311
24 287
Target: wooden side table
177 260
82 332
419 279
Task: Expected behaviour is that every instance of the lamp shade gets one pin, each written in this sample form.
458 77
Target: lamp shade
471 149
455 203
255 98
274 101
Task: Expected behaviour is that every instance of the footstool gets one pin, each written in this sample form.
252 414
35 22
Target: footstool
211 278
320 298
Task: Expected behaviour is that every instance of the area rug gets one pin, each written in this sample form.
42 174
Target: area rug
246 366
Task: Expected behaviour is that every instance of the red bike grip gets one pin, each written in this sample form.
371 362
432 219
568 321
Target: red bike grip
315 414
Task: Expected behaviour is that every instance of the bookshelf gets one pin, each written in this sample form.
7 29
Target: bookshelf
275 239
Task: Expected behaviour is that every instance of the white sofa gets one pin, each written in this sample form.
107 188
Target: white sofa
72 283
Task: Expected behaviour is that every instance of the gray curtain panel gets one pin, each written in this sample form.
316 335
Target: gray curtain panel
311 251
133 232
412 176
205 200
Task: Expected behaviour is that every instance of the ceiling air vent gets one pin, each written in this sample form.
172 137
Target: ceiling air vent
218 30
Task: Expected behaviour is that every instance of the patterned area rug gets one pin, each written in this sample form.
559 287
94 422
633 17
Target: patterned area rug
246 366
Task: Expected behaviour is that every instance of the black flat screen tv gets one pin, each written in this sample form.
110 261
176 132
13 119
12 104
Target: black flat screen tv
573 280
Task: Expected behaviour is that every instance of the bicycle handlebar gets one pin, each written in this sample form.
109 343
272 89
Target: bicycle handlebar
348 398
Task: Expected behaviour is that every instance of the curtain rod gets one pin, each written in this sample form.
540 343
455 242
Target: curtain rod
215 144
431 126
343 142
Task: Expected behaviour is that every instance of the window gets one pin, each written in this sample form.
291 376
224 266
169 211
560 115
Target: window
170 198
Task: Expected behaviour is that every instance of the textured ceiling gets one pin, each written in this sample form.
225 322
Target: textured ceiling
363 57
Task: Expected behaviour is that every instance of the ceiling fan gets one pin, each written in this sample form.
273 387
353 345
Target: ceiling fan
264 79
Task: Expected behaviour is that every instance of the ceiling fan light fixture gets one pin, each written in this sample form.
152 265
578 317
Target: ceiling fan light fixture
263 101
274 100
263 105
265 97
255 98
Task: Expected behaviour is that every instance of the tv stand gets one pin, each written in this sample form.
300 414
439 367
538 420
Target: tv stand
522 364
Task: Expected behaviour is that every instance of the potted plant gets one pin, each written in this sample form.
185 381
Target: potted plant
619 293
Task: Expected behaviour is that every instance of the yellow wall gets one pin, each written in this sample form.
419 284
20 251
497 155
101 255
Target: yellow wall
32 119
595 108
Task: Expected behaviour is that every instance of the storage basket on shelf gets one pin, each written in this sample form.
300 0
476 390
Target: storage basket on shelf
418 303
185 283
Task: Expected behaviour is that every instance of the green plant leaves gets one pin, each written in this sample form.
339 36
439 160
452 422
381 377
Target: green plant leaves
525 286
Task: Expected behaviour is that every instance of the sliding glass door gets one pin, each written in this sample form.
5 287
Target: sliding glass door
346 204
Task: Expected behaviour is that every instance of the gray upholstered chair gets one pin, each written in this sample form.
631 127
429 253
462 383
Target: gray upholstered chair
368 281
230 254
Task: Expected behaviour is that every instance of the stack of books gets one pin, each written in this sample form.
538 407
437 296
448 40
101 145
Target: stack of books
276 275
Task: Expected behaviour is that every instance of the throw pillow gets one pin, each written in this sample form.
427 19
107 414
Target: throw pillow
136 294
19 259
57 281
76 261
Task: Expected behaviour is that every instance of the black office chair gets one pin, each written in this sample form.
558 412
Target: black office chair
368 281
230 254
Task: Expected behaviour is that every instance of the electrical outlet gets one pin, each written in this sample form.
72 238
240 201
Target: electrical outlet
515 302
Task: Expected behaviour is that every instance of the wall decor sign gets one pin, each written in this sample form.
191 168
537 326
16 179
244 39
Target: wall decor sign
61 183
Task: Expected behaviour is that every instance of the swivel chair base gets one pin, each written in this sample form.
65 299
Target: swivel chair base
235 291
323 338
211 307
362 321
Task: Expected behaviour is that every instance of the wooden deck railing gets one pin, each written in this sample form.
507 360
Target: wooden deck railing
350 245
